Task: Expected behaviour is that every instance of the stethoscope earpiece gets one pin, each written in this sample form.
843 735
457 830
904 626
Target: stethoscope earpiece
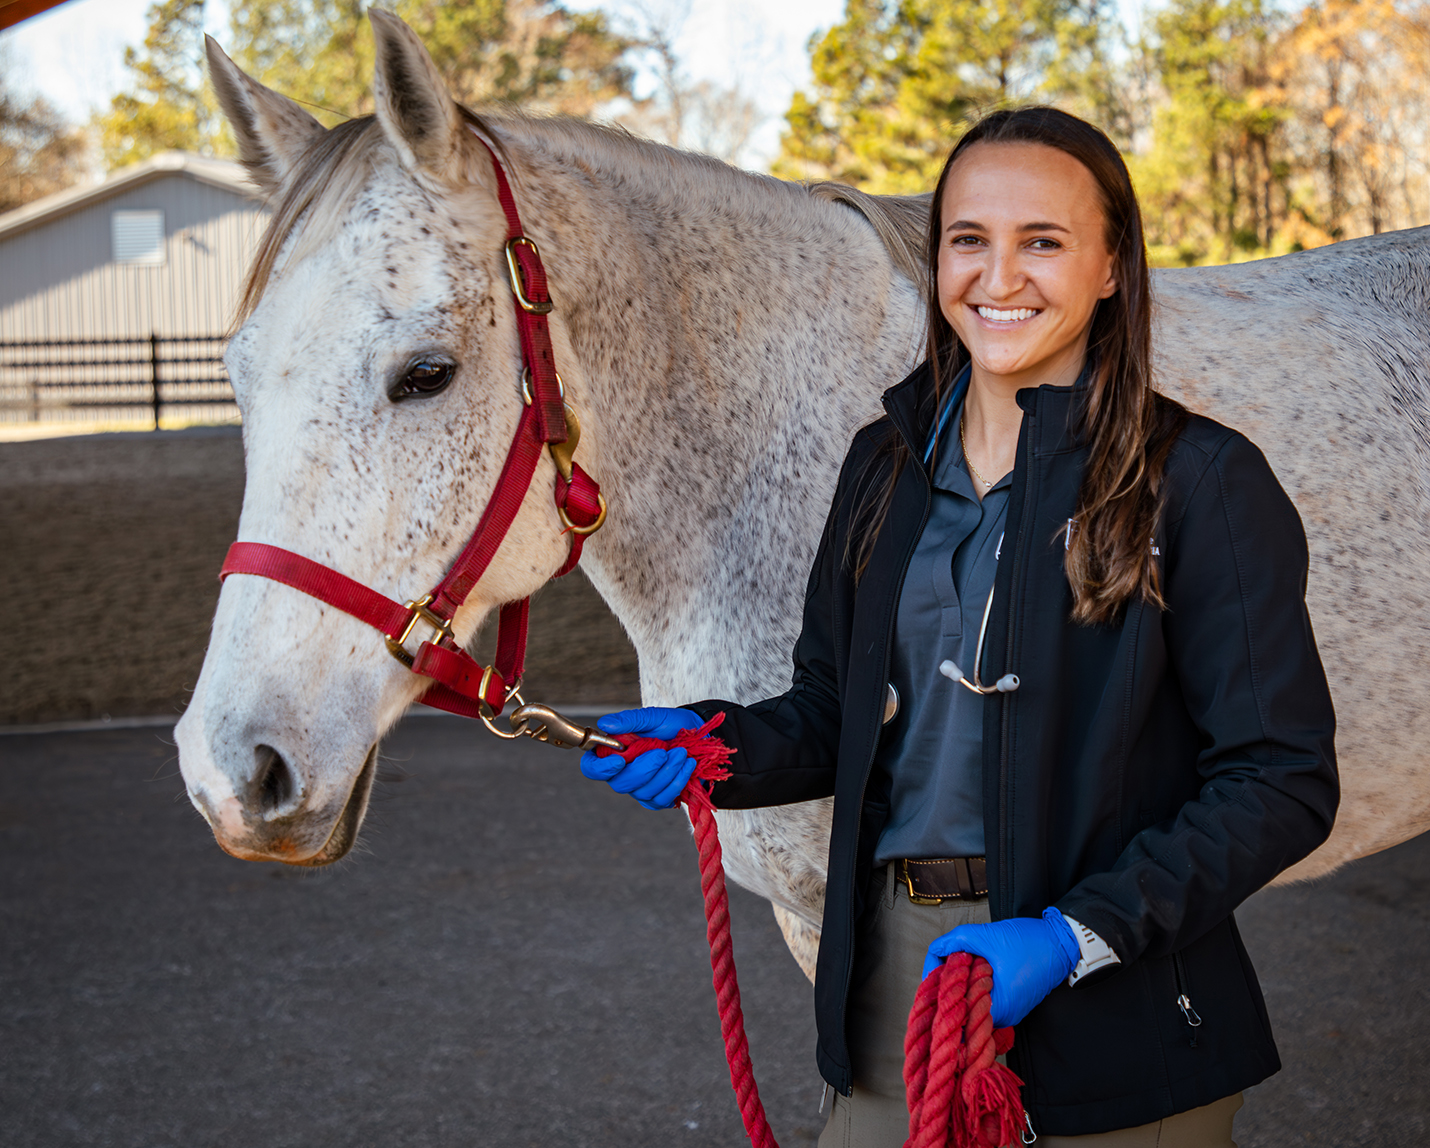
949 668
1004 685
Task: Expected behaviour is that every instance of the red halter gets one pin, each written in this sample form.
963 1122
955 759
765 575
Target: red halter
461 684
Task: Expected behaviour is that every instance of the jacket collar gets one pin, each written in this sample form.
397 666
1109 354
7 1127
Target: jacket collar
1051 411
1050 415
909 406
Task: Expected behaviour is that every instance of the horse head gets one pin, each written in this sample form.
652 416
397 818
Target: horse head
378 372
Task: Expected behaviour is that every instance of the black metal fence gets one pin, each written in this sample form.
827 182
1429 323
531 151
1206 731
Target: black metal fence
115 381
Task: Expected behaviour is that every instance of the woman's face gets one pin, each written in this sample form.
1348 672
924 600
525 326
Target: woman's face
1022 261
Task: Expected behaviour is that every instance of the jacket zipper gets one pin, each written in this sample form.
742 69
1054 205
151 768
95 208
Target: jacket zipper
864 786
1005 858
1184 1002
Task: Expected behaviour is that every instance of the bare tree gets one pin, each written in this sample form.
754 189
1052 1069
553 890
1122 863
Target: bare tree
697 114
1353 71
40 152
720 121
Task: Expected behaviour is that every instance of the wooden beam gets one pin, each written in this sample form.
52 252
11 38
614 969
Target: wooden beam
13 11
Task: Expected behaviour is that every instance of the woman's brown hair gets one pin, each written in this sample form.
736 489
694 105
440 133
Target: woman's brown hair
1129 430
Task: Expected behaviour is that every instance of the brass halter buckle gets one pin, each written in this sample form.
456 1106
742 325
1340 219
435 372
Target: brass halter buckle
419 612
518 284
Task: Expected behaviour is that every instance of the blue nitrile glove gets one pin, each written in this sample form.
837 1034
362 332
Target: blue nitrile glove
656 777
1030 957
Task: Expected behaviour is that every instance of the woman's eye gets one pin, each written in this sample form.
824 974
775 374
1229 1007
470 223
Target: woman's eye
423 378
1046 244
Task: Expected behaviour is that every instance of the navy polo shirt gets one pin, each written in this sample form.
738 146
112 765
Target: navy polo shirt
933 749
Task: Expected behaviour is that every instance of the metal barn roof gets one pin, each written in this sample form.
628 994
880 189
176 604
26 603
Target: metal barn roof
215 172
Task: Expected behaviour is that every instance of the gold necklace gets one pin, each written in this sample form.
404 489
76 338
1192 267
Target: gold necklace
964 444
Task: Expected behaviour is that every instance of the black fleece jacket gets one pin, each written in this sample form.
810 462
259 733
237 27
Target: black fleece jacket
1146 778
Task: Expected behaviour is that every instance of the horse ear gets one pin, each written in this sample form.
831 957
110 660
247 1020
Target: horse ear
273 132
416 111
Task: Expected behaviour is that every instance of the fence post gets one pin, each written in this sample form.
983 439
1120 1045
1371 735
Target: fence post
154 373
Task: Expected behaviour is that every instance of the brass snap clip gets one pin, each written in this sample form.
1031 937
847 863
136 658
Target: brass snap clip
544 724
563 454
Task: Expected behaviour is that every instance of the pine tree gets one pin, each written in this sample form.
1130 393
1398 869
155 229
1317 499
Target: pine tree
320 52
1213 184
895 83
538 55
167 105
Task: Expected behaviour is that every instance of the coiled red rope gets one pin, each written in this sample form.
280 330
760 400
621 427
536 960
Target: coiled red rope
959 1095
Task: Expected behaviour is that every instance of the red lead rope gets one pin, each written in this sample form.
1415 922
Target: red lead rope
710 755
959 1096
958 1093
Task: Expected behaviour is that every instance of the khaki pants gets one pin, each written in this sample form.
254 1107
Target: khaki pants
888 965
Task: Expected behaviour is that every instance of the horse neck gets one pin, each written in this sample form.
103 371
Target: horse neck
731 333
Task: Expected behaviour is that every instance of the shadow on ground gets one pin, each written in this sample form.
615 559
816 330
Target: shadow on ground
515 958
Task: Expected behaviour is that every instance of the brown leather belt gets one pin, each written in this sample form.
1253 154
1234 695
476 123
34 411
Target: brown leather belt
944 879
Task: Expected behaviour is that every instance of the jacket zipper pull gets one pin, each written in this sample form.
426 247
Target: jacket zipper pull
1184 1003
1194 1021
1026 1134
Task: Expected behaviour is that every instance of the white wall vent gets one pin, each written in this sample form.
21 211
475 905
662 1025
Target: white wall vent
138 236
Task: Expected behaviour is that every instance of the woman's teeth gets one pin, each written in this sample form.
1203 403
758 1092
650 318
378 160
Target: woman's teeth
1007 316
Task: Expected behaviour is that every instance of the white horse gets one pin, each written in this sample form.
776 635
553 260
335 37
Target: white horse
721 335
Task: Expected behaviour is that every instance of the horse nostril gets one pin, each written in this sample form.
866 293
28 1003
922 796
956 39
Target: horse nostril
273 781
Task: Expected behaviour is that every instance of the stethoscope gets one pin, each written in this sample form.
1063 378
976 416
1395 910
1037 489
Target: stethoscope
948 668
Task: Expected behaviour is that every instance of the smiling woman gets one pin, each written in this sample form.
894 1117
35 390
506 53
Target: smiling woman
1159 740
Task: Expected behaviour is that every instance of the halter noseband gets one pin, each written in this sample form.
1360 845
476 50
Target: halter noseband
461 685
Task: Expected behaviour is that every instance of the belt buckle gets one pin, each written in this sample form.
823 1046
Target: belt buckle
918 898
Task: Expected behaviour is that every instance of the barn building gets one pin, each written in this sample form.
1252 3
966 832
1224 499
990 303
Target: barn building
114 297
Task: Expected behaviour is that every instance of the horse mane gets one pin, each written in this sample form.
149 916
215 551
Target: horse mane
334 168
900 221
339 163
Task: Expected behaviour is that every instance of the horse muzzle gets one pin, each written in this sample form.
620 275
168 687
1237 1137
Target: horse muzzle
269 809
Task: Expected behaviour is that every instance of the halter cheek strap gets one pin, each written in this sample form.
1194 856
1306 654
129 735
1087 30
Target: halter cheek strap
462 685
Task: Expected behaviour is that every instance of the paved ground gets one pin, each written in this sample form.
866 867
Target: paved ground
515 958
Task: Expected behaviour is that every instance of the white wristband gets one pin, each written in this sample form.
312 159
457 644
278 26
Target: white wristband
1096 953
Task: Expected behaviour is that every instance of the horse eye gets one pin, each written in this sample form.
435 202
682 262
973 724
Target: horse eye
425 377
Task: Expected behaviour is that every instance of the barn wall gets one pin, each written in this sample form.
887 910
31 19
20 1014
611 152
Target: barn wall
57 280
